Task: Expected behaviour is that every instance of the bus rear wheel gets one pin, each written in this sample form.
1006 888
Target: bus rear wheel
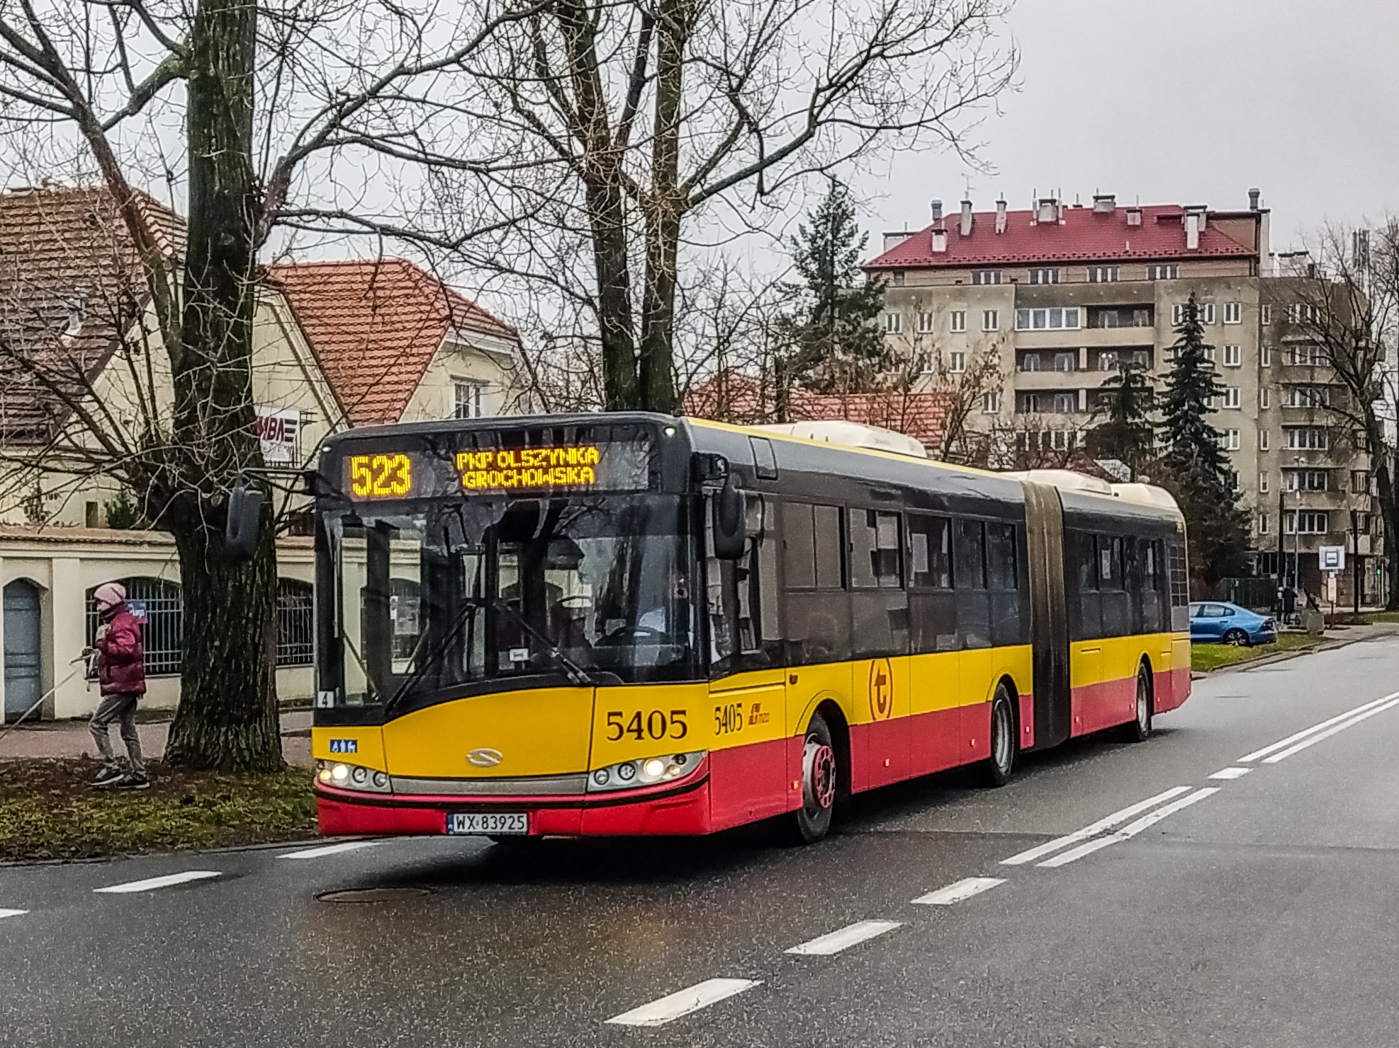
1139 730
997 769
820 782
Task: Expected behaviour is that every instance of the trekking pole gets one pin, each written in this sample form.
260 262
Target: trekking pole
26 713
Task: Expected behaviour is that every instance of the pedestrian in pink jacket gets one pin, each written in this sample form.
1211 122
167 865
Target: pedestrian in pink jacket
121 676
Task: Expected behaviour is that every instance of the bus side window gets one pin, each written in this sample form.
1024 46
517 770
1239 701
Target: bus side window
735 599
932 609
1003 580
878 606
817 612
973 606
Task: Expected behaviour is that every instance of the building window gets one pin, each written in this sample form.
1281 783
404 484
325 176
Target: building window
986 276
1107 318
893 323
1233 356
1262 523
1054 319
1263 483
958 320
1264 399
1030 403
990 319
1165 272
1065 361
1231 397
1229 440
296 628
1044 276
1107 360
1360 481
1141 358
1305 480
925 323
158 605
1306 396
1306 438
956 362
1306 522
898 276
1302 313
1265 313
1103 274
1305 355
990 403
466 398
1265 356
1141 318
1065 403
1263 441
1030 362
1233 313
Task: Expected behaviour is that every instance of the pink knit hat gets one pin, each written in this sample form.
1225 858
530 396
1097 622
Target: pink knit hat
110 593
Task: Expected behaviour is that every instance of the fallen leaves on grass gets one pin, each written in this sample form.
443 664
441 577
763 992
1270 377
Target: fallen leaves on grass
48 810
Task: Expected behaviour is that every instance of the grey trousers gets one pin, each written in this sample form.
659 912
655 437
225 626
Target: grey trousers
120 708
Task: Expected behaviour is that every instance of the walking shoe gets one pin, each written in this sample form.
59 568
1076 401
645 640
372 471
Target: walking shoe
133 781
108 776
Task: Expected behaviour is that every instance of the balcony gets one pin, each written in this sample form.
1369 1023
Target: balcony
1093 338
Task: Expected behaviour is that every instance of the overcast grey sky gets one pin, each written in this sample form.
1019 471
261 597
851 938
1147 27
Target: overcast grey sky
1185 101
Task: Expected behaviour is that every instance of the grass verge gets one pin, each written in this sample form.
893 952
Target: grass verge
1206 657
48 811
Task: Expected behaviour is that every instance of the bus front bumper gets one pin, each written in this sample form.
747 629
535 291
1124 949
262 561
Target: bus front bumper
668 810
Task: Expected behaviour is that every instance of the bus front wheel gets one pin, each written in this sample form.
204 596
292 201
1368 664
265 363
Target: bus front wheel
820 782
997 768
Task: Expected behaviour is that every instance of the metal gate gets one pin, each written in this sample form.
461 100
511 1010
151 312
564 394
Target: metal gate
23 668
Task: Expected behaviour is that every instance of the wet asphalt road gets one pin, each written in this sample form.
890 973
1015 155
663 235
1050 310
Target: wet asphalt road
1266 913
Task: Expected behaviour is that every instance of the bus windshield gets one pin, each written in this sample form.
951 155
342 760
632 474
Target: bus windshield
451 593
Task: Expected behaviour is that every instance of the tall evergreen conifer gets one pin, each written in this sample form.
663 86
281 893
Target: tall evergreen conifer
1126 432
1194 466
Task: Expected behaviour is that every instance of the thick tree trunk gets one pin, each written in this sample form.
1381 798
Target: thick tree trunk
607 216
1389 515
228 704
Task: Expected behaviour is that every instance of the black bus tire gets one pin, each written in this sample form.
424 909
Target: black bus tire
997 769
1139 728
821 783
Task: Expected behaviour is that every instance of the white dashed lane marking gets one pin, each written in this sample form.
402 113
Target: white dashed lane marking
850 935
1340 721
328 849
152 883
1105 823
1131 829
683 1002
1231 773
1313 739
963 889
12 913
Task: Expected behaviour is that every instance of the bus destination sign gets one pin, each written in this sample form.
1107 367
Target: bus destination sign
483 470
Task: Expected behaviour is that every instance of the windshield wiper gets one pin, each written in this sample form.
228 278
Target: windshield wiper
575 672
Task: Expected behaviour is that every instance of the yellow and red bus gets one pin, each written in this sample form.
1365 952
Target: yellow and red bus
633 624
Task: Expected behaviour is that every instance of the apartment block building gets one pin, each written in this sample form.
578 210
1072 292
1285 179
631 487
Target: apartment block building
1042 304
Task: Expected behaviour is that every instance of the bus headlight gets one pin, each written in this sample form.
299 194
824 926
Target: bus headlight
646 772
352 777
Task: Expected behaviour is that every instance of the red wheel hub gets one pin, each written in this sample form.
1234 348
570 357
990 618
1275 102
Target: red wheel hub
819 775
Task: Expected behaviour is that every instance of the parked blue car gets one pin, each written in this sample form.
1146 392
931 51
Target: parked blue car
1217 622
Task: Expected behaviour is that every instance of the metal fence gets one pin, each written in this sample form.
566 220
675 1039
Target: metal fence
160 608
296 628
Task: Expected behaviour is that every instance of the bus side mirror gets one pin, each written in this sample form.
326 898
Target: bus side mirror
244 520
729 527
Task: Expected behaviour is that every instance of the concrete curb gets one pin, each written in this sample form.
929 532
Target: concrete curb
1327 644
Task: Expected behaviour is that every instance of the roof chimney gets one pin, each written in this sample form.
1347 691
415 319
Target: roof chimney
1000 216
1134 216
1192 230
1104 203
1253 195
939 241
966 229
1047 210
892 240
937 210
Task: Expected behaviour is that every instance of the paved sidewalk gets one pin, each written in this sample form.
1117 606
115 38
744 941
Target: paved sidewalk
70 738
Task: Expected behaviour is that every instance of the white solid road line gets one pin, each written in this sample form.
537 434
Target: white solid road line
328 849
152 883
1096 828
1283 744
1330 731
963 889
850 935
667 1009
1131 829
1231 773
12 913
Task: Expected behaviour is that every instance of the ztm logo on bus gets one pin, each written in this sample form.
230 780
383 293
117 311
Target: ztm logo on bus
881 689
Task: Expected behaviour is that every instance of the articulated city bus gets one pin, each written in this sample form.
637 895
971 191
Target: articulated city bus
638 624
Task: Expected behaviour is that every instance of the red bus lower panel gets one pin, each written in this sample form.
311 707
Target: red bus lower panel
1103 705
1171 689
